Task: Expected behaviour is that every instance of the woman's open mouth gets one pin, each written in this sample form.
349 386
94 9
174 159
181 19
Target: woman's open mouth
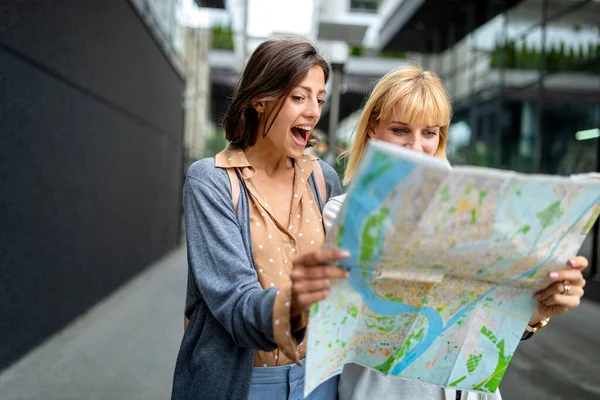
300 134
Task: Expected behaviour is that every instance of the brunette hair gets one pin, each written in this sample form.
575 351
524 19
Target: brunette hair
274 69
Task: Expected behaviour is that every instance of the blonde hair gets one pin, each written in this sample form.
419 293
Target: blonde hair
420 96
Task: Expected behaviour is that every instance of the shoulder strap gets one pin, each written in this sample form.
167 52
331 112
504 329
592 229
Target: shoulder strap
235 187
320 180
235 196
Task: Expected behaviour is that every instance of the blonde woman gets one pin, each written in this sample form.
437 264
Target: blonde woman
409 107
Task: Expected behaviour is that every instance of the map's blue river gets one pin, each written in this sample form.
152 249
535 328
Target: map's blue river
371 200
364 201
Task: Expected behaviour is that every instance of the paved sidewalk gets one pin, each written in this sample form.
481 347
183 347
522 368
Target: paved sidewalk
562 361
125 349
122 349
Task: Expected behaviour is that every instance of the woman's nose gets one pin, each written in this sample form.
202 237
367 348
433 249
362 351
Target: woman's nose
414 143
312 109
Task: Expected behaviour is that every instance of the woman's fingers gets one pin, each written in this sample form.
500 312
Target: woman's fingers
567 301
303 272
305 300
312 285
321 256
573 276
565 292
558 288
314 265
551 290
580 263
311 276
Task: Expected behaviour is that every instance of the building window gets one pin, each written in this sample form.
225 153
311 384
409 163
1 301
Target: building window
364 5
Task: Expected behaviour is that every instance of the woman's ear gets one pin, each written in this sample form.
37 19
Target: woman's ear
371 128
258 106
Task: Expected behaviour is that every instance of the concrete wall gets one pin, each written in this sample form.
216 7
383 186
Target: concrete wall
90 160
198 124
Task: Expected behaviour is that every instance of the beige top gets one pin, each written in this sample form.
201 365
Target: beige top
274 247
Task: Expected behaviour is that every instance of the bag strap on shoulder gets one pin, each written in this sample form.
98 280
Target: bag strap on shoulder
320 180
235 197
235 187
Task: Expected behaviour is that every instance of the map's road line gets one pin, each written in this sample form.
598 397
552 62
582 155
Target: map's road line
505 312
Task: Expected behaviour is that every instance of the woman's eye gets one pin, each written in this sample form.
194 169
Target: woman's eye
430 134
321 102
298 98
400 130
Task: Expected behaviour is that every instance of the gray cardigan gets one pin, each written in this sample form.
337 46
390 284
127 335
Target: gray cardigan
230 313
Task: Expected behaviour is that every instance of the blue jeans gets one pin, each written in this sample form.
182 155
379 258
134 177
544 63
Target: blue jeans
287 382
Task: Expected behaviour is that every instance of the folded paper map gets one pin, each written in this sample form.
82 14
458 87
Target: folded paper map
444 263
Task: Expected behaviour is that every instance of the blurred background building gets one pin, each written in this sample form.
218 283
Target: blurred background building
104 105
92 153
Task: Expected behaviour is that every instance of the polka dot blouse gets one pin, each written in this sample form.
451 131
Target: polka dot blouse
275 246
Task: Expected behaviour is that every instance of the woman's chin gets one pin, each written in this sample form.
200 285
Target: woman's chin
297 153
294 150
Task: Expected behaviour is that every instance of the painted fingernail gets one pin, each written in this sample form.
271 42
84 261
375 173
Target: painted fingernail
571 262
344 254
553 275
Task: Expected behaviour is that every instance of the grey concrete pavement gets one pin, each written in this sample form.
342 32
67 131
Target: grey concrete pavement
125 349
562 361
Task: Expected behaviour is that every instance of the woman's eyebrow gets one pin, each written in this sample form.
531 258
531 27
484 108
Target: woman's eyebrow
309 90
404 123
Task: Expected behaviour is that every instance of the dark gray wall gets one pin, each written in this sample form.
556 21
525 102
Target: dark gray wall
90 160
